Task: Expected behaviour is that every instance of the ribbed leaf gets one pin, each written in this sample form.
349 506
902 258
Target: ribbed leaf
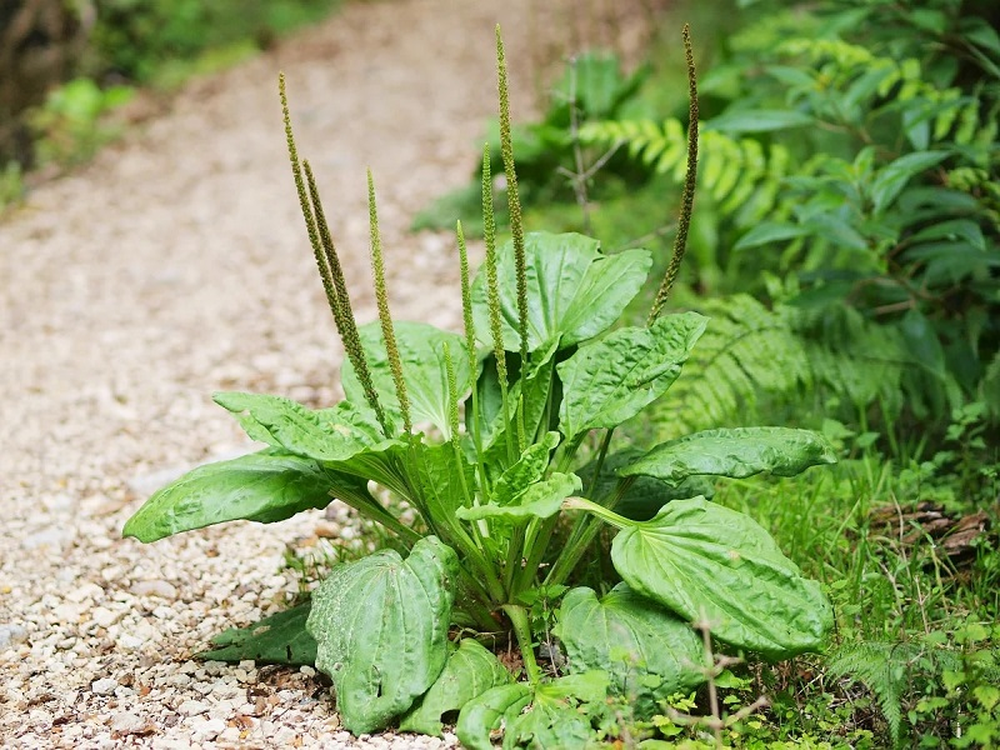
471 670
645 495
646 650
539 500
438 477
484 714
574 291
335 434
267 486
421 350
527 470
381 625
611 380
281 638
738 452
709 563
556 718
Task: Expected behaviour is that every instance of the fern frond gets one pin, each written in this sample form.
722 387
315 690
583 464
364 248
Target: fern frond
859 75
735 172
749 351
746 349
860 361
883 668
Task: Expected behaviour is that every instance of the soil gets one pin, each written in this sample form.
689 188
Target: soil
174 265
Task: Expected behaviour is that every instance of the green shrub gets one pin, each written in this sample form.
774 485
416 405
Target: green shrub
138 38
858 159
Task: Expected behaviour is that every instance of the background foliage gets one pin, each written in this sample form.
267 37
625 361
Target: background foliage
846 248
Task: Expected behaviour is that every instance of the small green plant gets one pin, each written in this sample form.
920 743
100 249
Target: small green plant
69 127
501 441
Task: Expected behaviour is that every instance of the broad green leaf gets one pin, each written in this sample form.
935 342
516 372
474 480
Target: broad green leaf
422 353
574 291
485 713
542 499
437 480
644 496
281 638
381 625
347 439
611 380
890 181
923 343
595 84
758 121
532 391
471 670
770 231
963 230
556 717
646 650
525 471
267 486
334 434
739 452
709 563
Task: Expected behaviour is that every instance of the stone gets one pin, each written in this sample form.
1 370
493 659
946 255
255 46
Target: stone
161 589
192 708
104 686
12 635
126 722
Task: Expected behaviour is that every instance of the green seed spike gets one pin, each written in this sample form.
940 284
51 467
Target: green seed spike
493 291
449 365
306 207
384 317
690 181
328 262
343 314
513 200
469 324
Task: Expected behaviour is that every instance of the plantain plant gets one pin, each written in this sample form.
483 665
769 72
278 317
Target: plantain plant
500 438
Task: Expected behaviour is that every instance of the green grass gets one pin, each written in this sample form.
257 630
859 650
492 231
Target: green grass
917 648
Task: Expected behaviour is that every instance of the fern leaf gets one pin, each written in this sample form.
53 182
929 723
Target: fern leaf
745 349
883 669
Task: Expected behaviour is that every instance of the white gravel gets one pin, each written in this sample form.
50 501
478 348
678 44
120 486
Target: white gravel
175 265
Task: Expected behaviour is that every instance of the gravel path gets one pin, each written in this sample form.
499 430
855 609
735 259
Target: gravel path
175 265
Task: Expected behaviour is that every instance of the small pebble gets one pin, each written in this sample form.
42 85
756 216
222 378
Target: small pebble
162 589
104 617
104 686
126 722
209 729
12 635
192 708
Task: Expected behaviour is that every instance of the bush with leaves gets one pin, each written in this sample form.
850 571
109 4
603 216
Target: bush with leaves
858 158
501 439
137 39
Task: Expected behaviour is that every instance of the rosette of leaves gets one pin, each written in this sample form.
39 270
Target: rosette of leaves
492 436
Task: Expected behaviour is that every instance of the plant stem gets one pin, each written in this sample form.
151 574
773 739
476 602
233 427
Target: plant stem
601 454
522 631
515 557
537 545
584 531
472 418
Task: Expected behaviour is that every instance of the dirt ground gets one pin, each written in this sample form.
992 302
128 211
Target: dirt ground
175 265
